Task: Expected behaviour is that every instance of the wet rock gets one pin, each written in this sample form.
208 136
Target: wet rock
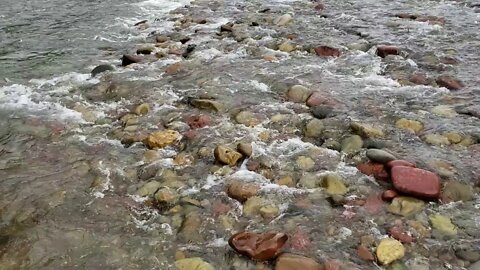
226 155
189 50
406 206
298 94
100 69
193 263
269 211
470 255
245 149
443 224
241 191
190 230
228 27
162 39
261 247
399 266
409 125
390 250
247 118
283 20
252 206
365 254
453 137
286 47
314 128
332 144
375 169
334 185
285 181
444 110
148 189
174 68
131 59
318 98
207 104
374 204
198 121
436 139
449 82
288 261
442 167
399 234
142 109
416 182
327 51
456 191
321 111
162 139
352 144
366 130
475 266
166 195
145 50
399 162
389 195
385 50
420 79
305 163
380 156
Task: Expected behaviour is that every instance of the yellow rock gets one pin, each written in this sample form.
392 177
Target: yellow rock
443 224
305 163
406 206
269 211
166 195
226 155
390 250
334 185
453 137
285 181
367 131
444 110
410 125
161 139
264 136
142 109
286 47
193 264
436 139
252 206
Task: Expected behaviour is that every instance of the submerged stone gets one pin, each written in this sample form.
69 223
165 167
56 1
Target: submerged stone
262 247
390 250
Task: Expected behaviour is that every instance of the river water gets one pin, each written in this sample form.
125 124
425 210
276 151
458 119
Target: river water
73 169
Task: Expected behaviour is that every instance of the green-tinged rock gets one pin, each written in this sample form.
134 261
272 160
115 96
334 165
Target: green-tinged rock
193 264
412 126
444 110
148 189
309 181
314 128
286 47
252 206
352 144
305 163
269 211
367 131
406 206
334 185
443 224
457 191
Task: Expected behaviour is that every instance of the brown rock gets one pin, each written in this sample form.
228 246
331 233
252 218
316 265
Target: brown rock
385 50
416 182
389 195
131 59
226 155
245 148
327 51
420 79
399 234
241 191
319 98
449 82
262 247
198 121
174 68
365 254
161 139
288 261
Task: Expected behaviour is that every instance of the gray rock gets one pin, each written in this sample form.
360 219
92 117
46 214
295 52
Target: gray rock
101 68
380 156
322 111
468 255
475 266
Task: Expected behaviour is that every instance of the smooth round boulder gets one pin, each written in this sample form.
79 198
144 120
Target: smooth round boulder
416 182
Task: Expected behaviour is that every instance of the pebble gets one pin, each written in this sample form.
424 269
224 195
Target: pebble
161 139
380 156
406 206
241 191
413 126
416 182
314 128
298 94
449 82
352 144
288 261
226 155
283 20
193 263
334 185
390 250
385 50
443 224
327 51
258 246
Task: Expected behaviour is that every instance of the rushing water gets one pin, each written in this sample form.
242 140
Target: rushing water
68 178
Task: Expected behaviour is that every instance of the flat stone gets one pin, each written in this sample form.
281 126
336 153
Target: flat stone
416 182
406 206
288 261
443 224
449 82
380 156
390 250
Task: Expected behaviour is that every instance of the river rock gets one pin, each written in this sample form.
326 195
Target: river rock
305 163
399 162
193 263
389 195
247 118
385 50
406 206
269 211
142 109
288 261
245 149
327 51
352 144
410 125
131 59
453 137
226 155
101 68
470 254
365 254
285 181
416 182
207 104
252 206
190 229
298 94
475 266
261 247
444 110
241 191
398 265
148 189
443 224
334 185
162 138
436 139
314 128
380 156
198 121
321 111
390 250
286 47
318 98
420 79
166 195
449 82
283 20
399 234
366 130
456 191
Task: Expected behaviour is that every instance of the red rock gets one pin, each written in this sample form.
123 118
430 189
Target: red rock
365 254
300 241
327 51
289 261
420 79
262 247
449 82
400 162
389 195
416 182
400 235
198 121
131 59
374 204
385 50
332 265
190 134
319 98
376 170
